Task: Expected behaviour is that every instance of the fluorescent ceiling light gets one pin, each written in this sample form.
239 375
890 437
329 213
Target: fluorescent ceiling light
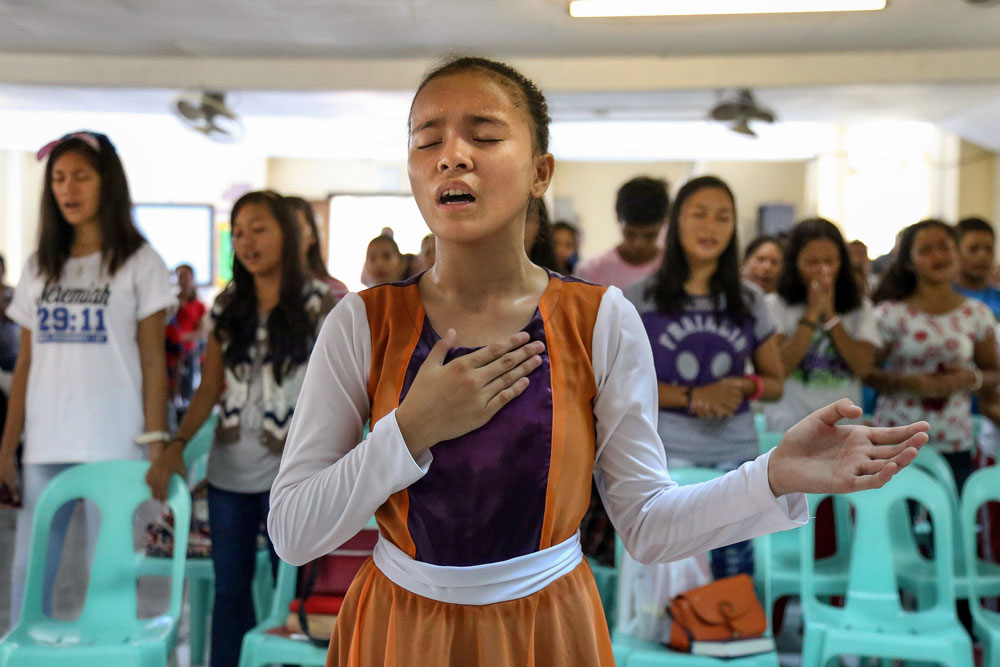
615 8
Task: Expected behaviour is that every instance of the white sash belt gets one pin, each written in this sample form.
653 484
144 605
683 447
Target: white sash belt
479 584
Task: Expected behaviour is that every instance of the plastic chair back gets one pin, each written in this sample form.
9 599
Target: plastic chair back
981 487
872 596
932 462
196 451
117 488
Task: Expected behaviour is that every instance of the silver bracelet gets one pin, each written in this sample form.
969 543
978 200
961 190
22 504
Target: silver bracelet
149 437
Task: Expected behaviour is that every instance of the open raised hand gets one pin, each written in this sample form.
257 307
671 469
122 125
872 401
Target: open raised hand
818 456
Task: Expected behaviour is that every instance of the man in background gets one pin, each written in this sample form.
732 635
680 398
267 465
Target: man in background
641 205
975 262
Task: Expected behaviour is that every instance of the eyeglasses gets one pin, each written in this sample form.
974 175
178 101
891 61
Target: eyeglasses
92 139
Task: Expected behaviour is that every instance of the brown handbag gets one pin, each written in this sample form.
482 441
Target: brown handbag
722 610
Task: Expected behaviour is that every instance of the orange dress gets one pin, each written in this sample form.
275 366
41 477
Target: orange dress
563 624
478 561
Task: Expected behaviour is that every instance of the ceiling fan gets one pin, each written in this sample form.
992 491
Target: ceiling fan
206 112
740 110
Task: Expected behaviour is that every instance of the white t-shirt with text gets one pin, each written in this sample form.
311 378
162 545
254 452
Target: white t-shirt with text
84 399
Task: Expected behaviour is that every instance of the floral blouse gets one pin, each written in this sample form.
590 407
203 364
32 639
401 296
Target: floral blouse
918 342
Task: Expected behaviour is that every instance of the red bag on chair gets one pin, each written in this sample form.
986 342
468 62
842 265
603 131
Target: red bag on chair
324 581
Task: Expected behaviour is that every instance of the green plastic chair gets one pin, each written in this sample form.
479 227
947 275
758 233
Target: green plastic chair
982 486
263 648
783 553
632 652
107 631
198 572
872 622
917 571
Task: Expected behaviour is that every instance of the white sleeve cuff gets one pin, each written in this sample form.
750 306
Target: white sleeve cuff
784 513
407 465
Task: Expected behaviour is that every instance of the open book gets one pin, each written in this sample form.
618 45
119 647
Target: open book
733 648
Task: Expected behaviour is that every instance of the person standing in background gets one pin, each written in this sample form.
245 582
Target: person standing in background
704 325
312 254
186 332
264 326
938 346
762 263
861 265
975 262
826 328
383 261
566 246
90 383
642 205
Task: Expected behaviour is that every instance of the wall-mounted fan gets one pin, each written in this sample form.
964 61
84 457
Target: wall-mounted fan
207 113
740 111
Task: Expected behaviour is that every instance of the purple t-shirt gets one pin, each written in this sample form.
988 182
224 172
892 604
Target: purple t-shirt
697 347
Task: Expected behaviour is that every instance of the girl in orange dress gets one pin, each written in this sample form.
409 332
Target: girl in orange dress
484 441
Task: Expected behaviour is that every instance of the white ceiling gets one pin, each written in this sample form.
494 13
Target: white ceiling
374 29
427 28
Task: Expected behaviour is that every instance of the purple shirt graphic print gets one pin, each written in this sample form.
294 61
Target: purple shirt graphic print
698 347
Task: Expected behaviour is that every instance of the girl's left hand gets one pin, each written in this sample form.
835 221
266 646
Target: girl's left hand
817 456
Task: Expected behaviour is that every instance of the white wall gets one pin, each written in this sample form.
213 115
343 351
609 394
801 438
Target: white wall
977 188
318 179
756 183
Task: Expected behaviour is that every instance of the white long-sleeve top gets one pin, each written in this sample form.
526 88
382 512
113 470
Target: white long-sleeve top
331 481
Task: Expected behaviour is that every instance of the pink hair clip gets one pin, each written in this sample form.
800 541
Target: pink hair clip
88 138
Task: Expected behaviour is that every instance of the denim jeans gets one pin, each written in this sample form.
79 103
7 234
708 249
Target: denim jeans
732 559
235 522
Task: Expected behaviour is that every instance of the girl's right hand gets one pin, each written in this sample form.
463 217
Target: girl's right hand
170 462
719 399
11 494
448 400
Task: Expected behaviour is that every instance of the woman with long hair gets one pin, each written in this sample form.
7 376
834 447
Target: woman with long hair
496 391
312 253
90 382
938 347
704 325
826 328
264 326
